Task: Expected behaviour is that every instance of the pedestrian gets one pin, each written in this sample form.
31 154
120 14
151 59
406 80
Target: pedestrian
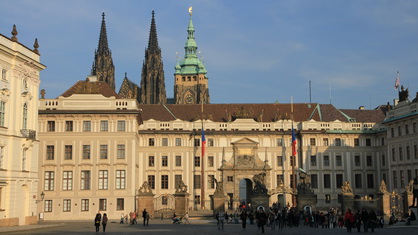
186 218
147 217
261 218
357 219
144 215
372 220
97 220
126 218
365 219
349 220
104 222
244 217
122 217
221 218
134 217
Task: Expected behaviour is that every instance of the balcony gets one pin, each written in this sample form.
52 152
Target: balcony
30 134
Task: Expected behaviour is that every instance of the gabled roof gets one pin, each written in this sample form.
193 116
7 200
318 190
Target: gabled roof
362 115
87 87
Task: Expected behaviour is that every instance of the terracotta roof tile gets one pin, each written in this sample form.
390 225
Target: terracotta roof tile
85 87
376 115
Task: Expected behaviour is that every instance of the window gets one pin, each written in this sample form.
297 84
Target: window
197 199
406 129
210 142
314 181
103 151
400 154
178 141
2 112
103 179
164 182
25 116
164 142
279 180
338 160
313 160
383 159
356 142
68 125
151 161
104 125
382 141
327 198
49 180
4 74
178 160
84 204
51 126
414 127
392 132
85 180
393 155
326 160
279 160
164 161
339 180
402 178
177 179
210 161
121 125
211 181
292 161
86 151
279 142
369 161
325 141
409 175
395 179
68 155
399 131
151 142
357 181
230 179
102 204
337 142
196 181
313 142
67 180
120 179
121 151
370 181
415 153
120 204
50 149
197 161
327 181
408 153
66 205
86 126
196 142
368 142
48 206
151 181
357 161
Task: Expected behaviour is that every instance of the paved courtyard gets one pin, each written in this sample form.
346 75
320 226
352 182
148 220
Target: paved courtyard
197 227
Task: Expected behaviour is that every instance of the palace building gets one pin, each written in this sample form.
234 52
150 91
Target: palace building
97 147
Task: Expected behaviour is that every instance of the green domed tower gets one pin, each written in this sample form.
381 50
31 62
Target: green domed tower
190 80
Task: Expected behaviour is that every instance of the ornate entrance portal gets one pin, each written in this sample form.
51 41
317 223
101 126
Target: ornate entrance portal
238 173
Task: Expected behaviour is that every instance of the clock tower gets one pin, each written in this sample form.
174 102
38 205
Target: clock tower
190 80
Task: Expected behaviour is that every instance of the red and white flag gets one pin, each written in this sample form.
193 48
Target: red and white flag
397 81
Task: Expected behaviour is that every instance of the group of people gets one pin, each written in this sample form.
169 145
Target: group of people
98 219
367 219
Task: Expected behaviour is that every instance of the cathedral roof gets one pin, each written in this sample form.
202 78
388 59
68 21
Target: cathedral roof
87 87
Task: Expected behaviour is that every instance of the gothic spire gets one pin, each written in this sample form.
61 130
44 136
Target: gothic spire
103 66
152 77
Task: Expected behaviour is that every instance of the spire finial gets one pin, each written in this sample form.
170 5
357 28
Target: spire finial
126 75
103 15
36 46
153 13
14 33
190 10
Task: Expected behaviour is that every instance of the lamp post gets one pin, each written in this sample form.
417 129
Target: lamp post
37 201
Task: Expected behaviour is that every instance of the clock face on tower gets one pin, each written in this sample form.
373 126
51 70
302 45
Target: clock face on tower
189 99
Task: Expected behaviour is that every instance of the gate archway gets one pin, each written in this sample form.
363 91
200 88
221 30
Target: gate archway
164 206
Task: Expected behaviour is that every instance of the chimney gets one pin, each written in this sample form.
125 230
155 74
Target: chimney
361 108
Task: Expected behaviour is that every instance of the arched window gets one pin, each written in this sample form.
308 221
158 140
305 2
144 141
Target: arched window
25 116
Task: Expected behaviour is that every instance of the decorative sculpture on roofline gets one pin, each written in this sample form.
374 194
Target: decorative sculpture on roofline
219 190
145 189
346 188
403 94
383 188
260 183
304 185
181 187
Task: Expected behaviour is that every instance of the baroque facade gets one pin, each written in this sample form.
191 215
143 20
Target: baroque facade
19 143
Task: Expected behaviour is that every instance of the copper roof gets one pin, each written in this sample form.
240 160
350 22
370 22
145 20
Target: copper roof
87 87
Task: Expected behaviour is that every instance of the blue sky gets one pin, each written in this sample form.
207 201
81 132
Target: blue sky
254 51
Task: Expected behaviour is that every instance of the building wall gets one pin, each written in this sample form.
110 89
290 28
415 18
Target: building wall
19 144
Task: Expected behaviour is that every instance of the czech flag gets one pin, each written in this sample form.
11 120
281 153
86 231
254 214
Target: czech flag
294 150
203 142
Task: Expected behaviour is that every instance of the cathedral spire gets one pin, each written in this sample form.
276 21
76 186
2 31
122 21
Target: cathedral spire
103 66
152 77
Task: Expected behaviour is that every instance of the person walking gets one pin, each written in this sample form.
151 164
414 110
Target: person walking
97 220
349 220
147 217
221 217
186 218
244 217
122 217
144 215
104 222
365 219
261 218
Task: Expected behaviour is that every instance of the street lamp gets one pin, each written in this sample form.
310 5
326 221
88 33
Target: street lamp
42 197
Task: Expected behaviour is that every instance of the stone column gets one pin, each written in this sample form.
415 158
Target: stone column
383 201
347 197
145 199
181 203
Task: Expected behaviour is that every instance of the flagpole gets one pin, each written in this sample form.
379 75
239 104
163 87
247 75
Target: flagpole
293 158
202 173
